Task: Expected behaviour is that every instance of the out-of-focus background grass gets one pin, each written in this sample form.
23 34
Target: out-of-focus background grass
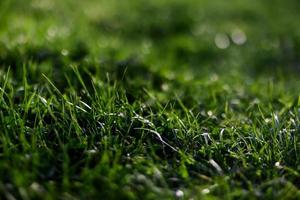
255 36
149 99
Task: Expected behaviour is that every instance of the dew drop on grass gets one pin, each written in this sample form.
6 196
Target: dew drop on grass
238 37
91 151
179 193
37 187
222 41
165 87
64 52
268 120
278 165
43 100
276 120
121 115
210 113
205 191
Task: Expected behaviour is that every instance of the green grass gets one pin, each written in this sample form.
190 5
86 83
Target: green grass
137 99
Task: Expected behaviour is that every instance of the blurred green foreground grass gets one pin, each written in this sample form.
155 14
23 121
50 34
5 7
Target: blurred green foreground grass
159 99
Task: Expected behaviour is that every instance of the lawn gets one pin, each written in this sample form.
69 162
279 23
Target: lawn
149 99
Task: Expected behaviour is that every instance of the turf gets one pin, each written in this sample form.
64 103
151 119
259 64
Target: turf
137 99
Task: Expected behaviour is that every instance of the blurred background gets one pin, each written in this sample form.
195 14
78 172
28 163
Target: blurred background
173 38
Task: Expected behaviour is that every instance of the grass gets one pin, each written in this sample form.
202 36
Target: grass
172 99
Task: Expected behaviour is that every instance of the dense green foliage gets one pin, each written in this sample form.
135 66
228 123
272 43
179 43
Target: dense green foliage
139 99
